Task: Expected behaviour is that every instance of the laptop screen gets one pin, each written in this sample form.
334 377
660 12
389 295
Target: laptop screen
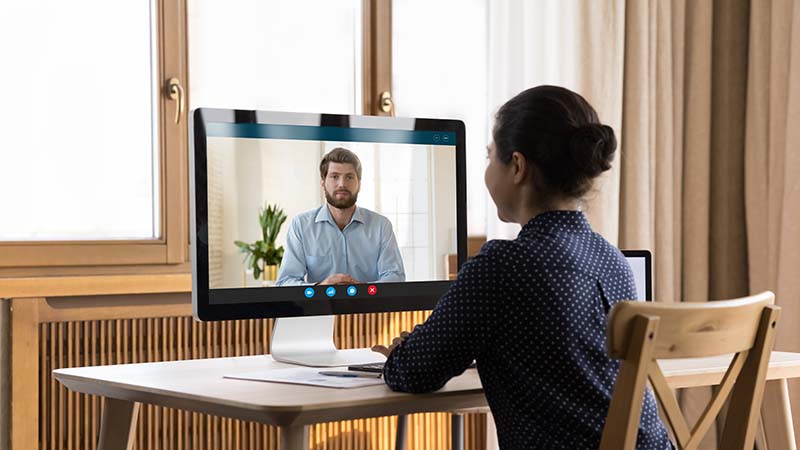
640 262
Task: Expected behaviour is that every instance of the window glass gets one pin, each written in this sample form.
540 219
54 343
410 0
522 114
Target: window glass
275 55
79 159
439 66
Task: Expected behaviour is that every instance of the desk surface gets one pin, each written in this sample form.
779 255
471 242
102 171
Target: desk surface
197 385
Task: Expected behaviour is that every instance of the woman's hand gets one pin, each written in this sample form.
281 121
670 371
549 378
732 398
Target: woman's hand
385 351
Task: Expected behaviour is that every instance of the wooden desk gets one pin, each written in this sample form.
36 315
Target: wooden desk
197 385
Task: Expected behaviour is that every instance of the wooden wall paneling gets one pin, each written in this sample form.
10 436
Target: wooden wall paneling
44 369
92 341
71 286
5 374
112 307
85 409
61 391
95 335
70 396
52 394
24 373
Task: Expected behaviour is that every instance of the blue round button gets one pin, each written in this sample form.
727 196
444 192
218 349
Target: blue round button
352 291
309 292
331 291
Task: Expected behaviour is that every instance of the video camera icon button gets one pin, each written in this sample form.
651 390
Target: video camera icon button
309 292
330 291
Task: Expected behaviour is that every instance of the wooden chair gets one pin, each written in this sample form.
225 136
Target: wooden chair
640 333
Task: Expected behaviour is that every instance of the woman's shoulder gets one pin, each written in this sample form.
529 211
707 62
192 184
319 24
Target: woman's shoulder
504 252
522 246
498 248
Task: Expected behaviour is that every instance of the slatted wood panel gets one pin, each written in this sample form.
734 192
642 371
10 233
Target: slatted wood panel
71 421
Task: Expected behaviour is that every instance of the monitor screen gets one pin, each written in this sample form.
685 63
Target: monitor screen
372 208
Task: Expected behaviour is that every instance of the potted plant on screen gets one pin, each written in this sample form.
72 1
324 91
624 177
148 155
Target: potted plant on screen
262 256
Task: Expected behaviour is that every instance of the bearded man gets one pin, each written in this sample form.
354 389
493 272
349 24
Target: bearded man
339 242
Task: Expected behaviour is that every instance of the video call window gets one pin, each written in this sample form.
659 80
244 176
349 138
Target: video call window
410 186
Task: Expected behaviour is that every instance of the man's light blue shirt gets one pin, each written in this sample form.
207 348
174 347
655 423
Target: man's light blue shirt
316 248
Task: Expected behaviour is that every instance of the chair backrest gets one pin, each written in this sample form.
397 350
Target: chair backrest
641 333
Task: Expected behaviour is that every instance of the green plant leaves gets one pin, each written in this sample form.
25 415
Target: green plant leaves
271 219
263 252
243 246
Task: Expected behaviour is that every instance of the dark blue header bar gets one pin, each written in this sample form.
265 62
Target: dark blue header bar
312 133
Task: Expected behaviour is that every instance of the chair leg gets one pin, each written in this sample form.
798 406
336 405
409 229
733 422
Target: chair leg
457 428
400 437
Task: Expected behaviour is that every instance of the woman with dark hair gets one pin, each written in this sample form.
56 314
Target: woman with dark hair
532 311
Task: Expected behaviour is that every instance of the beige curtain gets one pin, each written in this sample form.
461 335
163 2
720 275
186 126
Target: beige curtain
772 165
682 151
705 96
711 153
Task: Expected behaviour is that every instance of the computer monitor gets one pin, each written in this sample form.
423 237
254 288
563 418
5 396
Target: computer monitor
642 265
410 212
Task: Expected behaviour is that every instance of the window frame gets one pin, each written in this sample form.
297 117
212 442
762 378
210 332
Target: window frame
172 246
376 55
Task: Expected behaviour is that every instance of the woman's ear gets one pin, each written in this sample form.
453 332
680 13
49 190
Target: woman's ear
519 167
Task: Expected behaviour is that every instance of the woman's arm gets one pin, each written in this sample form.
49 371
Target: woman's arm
457 331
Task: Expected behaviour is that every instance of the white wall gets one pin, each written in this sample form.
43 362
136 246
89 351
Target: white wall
443 170
255 172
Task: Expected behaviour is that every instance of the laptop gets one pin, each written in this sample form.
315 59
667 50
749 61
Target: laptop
642 265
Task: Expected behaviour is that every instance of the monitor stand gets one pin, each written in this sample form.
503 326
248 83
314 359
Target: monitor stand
308 341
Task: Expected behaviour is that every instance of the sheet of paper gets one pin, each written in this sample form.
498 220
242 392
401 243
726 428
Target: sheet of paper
305 375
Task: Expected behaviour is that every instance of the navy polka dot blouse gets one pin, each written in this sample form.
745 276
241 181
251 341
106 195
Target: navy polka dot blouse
532 313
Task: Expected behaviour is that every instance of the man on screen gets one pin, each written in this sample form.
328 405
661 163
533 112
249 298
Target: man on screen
339 242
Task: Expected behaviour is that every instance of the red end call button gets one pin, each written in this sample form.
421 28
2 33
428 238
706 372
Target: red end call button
372 289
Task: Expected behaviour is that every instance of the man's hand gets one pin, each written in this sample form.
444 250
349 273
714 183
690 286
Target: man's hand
340 278
385 351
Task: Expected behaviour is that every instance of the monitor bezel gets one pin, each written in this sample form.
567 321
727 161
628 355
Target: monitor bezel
203 309
648 269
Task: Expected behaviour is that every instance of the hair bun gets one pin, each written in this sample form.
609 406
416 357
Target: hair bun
591 148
